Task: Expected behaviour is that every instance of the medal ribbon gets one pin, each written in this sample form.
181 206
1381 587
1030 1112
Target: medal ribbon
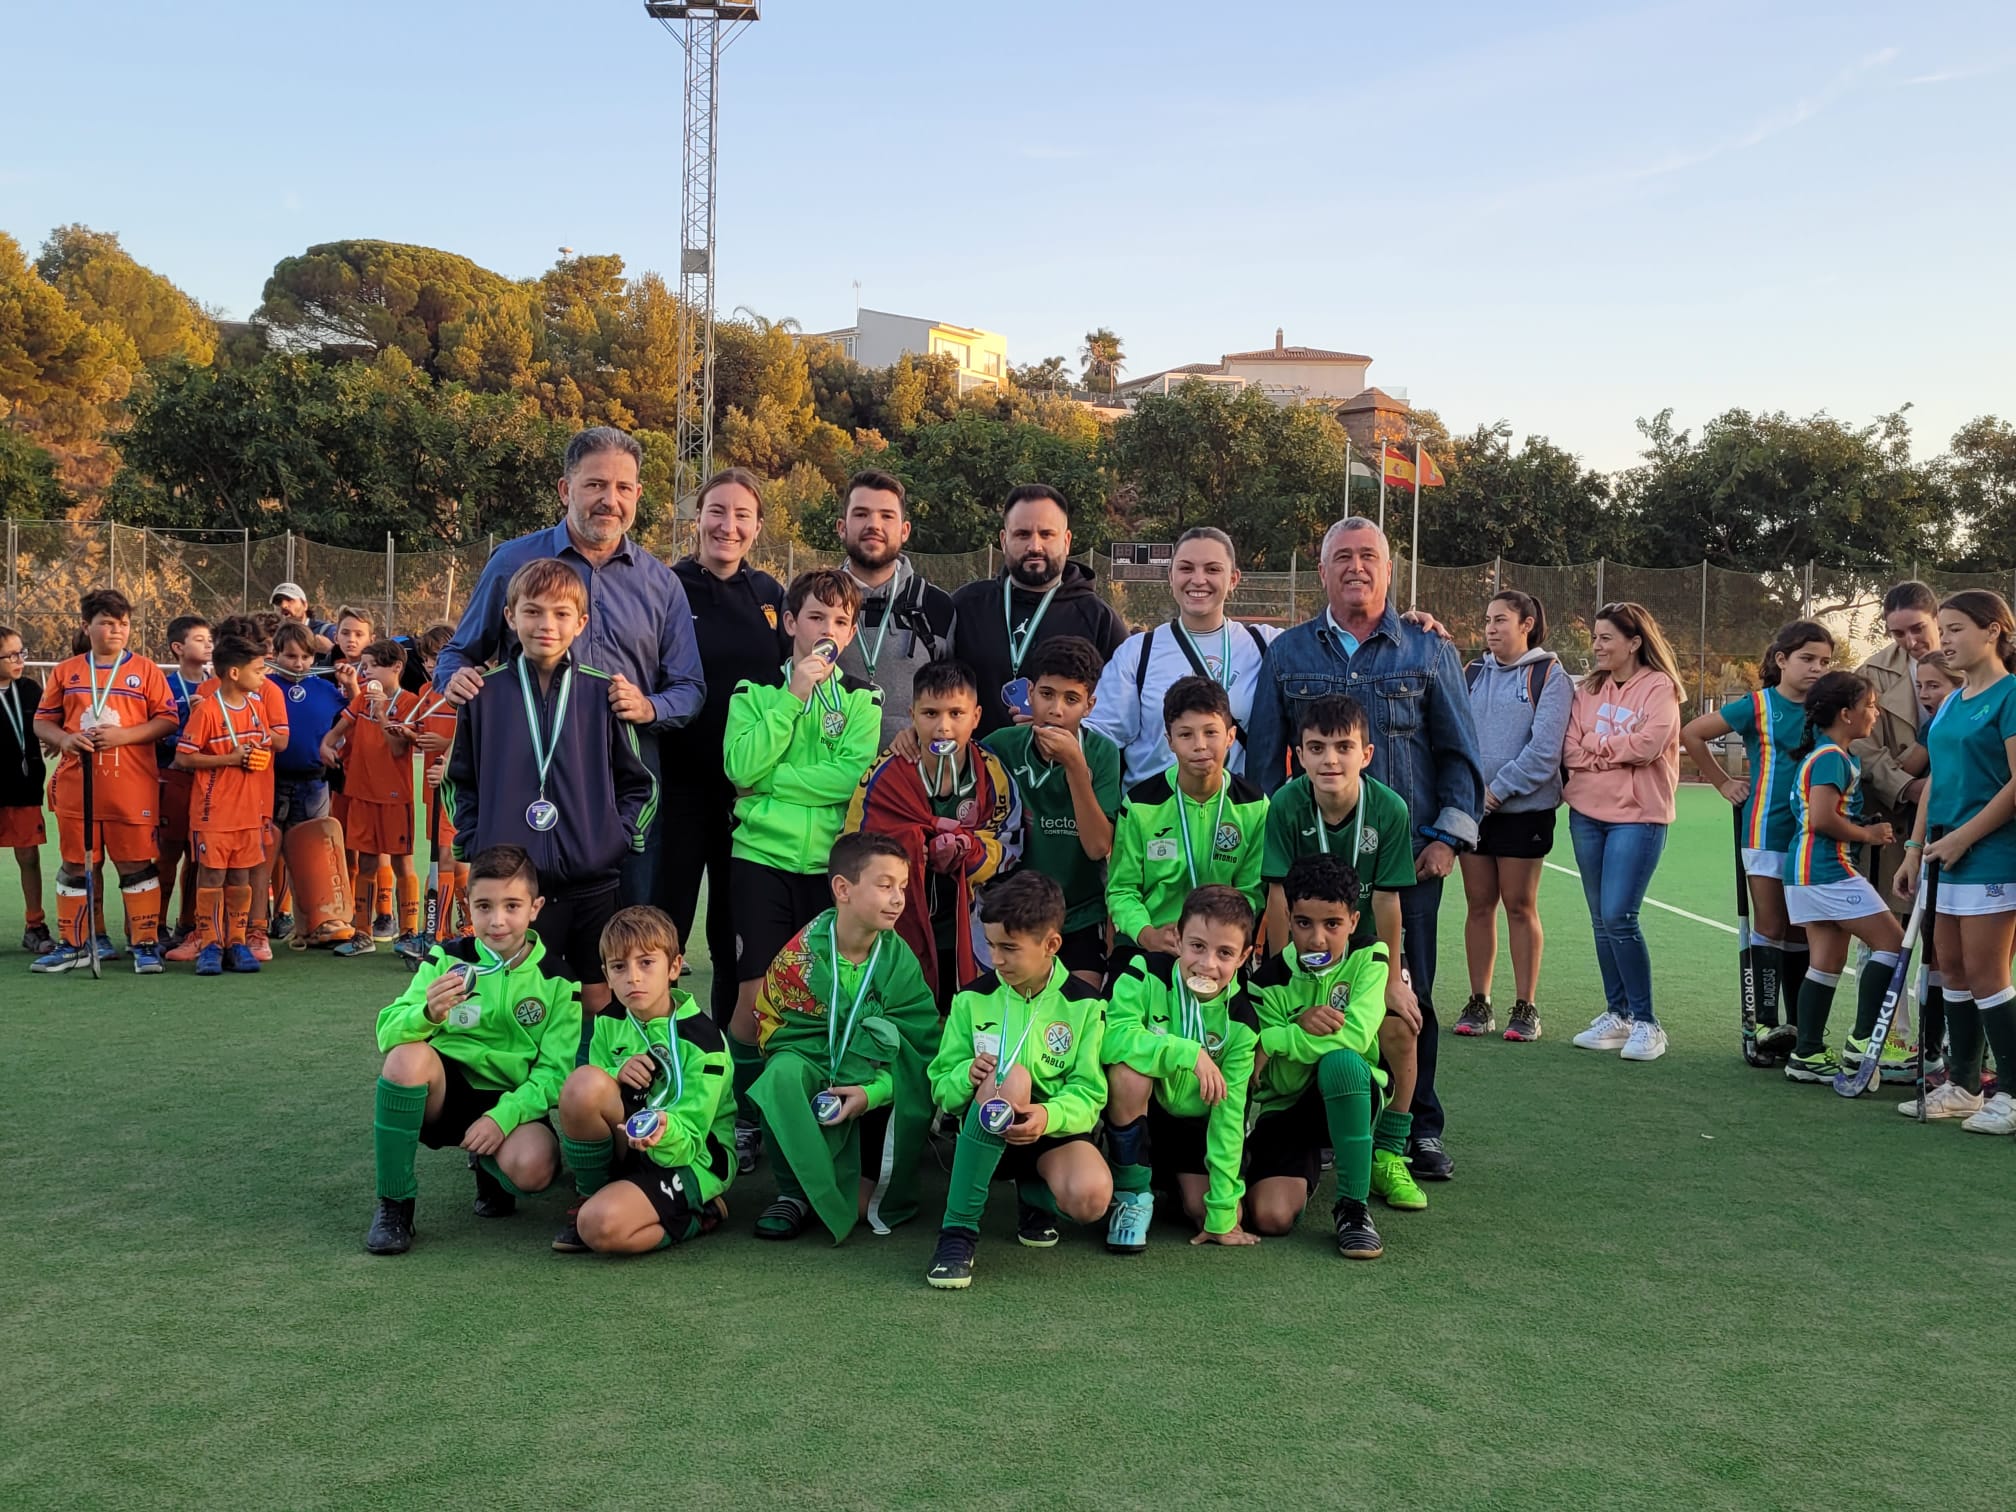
231 730
667 1056
870 658
16 721
1225 678
1028 772
100 697
826 695
837 1052
1189 1010
1183 825
1002 1063
1357 829
1018 640
959 789
544 747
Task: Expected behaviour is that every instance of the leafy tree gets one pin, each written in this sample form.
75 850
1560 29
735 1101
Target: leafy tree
1103 359
1537 505
1980 473
57 372
1050 373
143 316
581 310
29 489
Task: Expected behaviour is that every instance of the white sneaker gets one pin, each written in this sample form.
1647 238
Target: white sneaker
1997 1116
1948 1100
1646 1043
1607 1031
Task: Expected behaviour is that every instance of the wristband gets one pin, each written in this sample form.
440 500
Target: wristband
1914 845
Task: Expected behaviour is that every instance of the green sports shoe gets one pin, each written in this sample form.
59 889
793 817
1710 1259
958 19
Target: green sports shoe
1394 1185
1813 1068
1895 1067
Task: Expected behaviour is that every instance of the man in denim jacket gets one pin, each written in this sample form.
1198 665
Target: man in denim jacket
1424 748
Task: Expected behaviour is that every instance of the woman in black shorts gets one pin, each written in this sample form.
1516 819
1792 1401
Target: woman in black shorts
1520 696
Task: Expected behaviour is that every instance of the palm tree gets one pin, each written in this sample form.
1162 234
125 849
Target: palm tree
1103 358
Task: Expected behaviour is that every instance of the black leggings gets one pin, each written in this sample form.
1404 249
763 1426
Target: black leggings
696 823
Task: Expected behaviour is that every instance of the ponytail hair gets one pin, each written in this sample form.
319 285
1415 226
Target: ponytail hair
1528 607
1989 611
1829 698
1634 622
1790 638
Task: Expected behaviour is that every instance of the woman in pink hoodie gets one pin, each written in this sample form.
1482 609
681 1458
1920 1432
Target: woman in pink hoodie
1623 759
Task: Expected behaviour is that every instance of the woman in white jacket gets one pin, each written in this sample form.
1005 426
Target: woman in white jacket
1520 696
1202 640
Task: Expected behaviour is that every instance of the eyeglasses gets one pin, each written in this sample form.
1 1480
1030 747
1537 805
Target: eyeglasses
20 656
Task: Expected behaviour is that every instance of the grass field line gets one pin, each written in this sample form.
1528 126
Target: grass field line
1653 902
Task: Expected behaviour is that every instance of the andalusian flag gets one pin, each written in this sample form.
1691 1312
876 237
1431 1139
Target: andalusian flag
1400 468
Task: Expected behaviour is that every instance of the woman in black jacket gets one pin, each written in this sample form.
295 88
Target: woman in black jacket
21 778
738 620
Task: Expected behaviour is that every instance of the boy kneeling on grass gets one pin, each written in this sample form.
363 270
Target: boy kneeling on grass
847 1025
476 1049
1020 1066
1321 1005
648 1125
1180 1040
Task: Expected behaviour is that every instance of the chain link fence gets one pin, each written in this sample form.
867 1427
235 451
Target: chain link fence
1718 621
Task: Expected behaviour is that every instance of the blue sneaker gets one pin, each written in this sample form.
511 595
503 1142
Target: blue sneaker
62 958
210 961
1127 1224
146 960
240 958
107 951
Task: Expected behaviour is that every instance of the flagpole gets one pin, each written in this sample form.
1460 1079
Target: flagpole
1382 487
1347 476
1414 557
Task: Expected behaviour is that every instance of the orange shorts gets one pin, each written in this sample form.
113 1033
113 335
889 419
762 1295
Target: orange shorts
339 810
177 786
128 844
378 829
229 850
20 827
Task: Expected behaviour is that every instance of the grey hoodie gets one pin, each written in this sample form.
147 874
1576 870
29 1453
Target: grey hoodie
919 632
1519 745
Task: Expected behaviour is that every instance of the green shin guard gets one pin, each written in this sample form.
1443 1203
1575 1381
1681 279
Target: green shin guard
590 1161
747 1062
1345 1082
975 1157
395 1137
1390 1131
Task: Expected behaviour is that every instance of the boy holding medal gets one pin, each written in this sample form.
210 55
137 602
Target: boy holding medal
1180 1040
1068 777
227 745
21 777
476 1050
111 708
1321 1004
655 1089
542 761
1336 808
955 811
847 1024
1020 1066
795 754
373 746
190 643
273 710
1194 826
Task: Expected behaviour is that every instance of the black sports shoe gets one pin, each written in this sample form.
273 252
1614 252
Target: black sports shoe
1476 1017
952 1262
569 1241
391 1227
1428 1160
492 1201
1034 1227
1357 1239
1524 1024
1777 1041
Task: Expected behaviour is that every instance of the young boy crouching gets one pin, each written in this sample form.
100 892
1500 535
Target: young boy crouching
1020 1065
476 1049
648 1125
1180 1041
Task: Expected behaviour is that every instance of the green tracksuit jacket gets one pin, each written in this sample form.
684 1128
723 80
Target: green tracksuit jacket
700 1124
1356 986
894 1034
524 1043
1145 1030
1065 1025
1151 871
797 765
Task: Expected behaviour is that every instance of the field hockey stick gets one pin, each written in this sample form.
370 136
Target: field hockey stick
1855 1083
1746 969
89 770
433 866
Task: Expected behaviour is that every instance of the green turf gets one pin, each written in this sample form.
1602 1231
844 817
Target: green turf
1676 1285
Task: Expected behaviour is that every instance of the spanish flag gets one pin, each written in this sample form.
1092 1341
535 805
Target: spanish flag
1400 468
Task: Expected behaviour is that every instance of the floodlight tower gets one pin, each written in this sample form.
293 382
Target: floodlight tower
703 32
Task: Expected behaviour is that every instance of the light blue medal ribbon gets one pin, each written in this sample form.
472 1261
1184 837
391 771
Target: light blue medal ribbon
1018 640
667 1056
1183 825
544 746
1225 674
100 696
1357 829
836 1049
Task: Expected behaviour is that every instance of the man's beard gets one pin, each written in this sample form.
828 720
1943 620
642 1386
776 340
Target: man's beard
1028 576
859 554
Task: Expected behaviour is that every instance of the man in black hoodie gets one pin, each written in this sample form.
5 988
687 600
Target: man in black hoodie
1041 592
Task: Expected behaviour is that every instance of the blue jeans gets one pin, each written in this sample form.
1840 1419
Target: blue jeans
1617 862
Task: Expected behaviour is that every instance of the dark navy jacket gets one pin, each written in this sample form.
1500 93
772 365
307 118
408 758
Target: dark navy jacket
604 792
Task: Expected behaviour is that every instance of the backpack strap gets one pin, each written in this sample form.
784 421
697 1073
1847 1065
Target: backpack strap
1472 671
1141 666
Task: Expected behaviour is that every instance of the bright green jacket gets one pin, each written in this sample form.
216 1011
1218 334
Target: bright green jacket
523 1045
1065 1026
1150 873
700 1124
797 765
1356 986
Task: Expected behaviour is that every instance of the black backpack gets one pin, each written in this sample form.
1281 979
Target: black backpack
1189 650
1537 674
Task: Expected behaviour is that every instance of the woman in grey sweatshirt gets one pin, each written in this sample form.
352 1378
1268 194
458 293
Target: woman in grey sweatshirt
1519 695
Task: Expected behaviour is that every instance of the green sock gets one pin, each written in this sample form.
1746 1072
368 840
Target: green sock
1390 1131
974 1159
496 1172
1963 1034
1345 1082
395 1136
1123 1155
1816 1001
1794 961
1038 1195
748 1065
589 1160
788 1184
1870 989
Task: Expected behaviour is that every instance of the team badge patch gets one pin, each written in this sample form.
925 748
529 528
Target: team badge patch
1214 1045
529 1012
1227 839
833 724
1340 996
1161 850
1994 889
132 679
770 614
1369 841
968 811
1057 1039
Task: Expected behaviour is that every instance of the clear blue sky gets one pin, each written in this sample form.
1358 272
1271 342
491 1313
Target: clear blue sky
1565 215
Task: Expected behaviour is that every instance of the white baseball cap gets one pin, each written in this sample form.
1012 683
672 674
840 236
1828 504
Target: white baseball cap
289 590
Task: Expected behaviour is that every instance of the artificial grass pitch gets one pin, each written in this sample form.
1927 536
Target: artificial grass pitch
1677 1285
